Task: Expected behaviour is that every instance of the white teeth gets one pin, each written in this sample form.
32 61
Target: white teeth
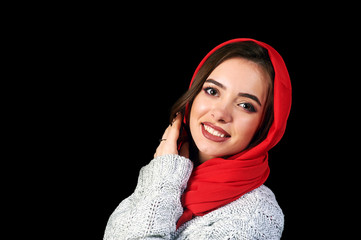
213 132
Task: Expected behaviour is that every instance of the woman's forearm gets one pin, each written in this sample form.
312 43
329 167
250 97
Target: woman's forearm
154 208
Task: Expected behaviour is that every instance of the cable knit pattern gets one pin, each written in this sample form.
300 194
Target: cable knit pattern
152 211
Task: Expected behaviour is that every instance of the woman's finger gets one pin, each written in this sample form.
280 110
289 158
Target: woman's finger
173 133
168 142
165 134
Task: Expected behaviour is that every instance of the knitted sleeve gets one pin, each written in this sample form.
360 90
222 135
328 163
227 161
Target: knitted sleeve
152 211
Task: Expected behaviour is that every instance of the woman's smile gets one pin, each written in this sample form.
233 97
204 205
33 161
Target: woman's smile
214 133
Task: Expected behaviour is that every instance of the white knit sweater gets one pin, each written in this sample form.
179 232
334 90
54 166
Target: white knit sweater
152 211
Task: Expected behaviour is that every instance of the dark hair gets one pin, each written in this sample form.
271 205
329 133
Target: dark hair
248 50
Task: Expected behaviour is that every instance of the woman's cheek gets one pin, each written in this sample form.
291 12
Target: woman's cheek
201 104
245 128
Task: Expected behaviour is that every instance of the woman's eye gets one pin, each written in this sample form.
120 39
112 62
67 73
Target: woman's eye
211 91
247 106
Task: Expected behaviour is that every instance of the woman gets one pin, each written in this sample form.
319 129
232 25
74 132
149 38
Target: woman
206 178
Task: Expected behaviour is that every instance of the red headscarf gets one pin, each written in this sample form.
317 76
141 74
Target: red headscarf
220 181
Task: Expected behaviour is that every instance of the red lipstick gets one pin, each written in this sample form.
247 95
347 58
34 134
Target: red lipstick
214 133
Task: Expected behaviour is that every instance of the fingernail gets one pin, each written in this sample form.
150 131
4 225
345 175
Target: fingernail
171 124
177 113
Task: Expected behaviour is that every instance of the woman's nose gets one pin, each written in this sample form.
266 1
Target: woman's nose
221 112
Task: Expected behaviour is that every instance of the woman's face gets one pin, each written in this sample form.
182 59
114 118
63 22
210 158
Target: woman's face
228 110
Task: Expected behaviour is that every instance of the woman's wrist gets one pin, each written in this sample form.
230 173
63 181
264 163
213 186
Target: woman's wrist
173 166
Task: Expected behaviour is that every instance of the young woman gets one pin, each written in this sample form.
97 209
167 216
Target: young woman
206 178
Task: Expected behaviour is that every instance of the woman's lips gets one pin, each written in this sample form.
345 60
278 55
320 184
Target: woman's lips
214 133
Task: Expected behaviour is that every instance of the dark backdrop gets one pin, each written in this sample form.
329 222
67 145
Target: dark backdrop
107 104
123 108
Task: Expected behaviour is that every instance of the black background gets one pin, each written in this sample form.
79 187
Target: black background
104 98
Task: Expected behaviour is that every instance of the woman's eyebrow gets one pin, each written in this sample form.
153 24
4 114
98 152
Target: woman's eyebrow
253 97
216 83
247 95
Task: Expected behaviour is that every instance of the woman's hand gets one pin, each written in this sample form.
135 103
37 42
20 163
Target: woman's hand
168 143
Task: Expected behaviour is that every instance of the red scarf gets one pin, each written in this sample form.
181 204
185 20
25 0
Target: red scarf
219 181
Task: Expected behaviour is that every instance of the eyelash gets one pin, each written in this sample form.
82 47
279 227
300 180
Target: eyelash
245 105
249 108
208 89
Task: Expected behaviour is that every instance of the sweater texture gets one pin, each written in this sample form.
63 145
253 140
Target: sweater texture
154 208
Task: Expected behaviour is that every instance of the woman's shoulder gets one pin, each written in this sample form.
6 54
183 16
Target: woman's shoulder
261 209
259 195
255 214
260 202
